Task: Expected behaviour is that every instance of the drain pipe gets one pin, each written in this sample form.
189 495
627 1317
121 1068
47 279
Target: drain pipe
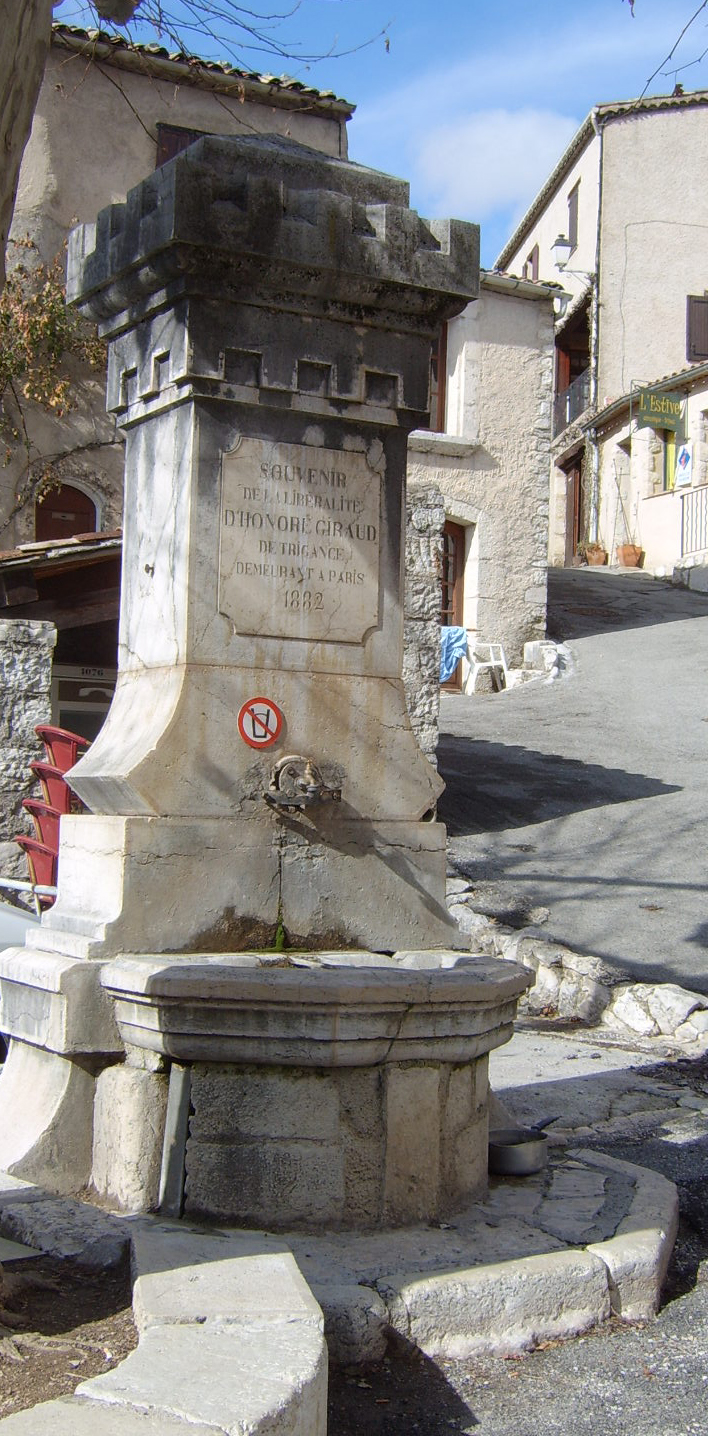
594 514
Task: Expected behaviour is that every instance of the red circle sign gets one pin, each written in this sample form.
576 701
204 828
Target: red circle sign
259 722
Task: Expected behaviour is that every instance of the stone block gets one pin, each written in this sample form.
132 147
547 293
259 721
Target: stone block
185 1276
363 1141
670 1005
355 1323
628 1008
289 1104
61 1227
48 1140
412 1171
468 1164
73 1416
460 1103
501 1307
55 1002
280 1183
243 1380
638 1255
128 1133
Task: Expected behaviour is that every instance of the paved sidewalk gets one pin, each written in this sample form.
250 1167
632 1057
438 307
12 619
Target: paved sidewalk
583 803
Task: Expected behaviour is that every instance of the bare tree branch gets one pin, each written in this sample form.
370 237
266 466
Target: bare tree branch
660 68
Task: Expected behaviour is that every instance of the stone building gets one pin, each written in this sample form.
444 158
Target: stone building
108 113
488 453
621 224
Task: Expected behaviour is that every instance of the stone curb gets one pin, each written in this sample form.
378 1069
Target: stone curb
578 986
543 1280
230 1337
638 1255
230 1322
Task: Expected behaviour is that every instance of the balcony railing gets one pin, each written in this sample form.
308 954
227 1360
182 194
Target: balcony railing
570 402
694 521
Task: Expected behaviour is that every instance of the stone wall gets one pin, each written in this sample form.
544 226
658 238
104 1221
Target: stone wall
26 649
425 516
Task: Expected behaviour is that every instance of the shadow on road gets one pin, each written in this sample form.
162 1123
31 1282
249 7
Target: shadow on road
493 786
583 601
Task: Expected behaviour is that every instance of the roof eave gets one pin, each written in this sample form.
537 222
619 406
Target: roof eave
578 143
138 60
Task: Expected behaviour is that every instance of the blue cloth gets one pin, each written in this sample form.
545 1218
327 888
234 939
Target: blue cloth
453 647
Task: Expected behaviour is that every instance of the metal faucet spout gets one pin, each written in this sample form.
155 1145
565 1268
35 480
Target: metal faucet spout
296 782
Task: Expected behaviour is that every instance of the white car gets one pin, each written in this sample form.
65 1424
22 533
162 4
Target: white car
13 927
14 924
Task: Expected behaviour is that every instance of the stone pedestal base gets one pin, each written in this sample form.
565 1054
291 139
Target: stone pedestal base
46 1113
225 885
349 1146
63 1032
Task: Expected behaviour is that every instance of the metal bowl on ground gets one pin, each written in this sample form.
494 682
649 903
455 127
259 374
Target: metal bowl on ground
517 1151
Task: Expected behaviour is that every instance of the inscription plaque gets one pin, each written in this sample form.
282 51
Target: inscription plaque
299 549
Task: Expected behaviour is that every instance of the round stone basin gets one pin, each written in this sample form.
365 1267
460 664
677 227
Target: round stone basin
327 1009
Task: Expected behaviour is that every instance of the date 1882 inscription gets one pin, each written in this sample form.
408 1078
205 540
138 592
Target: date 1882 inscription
299 553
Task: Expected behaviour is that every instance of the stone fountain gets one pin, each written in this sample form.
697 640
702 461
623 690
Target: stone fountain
249 1001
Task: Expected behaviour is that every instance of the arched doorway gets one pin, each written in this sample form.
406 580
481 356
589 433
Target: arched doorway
64 512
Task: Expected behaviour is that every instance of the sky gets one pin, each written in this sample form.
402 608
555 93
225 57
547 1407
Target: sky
472 102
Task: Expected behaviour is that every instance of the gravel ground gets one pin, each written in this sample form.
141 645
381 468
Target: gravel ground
68 1323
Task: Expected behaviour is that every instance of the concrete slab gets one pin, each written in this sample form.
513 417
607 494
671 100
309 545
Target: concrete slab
236 1378
186 1276
16 1251
63 1227
73 1417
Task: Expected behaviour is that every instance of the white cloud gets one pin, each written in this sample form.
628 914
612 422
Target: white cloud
489 160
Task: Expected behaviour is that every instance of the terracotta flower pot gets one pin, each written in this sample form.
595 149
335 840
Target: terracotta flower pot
596 557
629 555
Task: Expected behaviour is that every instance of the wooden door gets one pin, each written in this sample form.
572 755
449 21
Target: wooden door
63 512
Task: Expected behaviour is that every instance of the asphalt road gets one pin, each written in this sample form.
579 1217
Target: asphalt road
588 796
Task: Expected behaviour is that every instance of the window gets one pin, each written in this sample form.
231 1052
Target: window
696 327
530 270
573 215
63 512
172 139
438 368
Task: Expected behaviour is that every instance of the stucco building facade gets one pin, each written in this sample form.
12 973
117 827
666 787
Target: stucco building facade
629 201
489 458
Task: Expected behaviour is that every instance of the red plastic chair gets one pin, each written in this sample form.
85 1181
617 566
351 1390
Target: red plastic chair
63 748
46 822
57 793
42 864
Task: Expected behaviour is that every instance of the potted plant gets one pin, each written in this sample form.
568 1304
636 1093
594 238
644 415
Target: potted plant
593 552
629 555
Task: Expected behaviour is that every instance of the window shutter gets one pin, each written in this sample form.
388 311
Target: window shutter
696 327
573 215
172 139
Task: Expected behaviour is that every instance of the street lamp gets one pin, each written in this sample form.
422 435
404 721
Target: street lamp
561 250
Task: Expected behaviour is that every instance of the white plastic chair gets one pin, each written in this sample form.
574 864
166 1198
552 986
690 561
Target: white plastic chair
486 658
